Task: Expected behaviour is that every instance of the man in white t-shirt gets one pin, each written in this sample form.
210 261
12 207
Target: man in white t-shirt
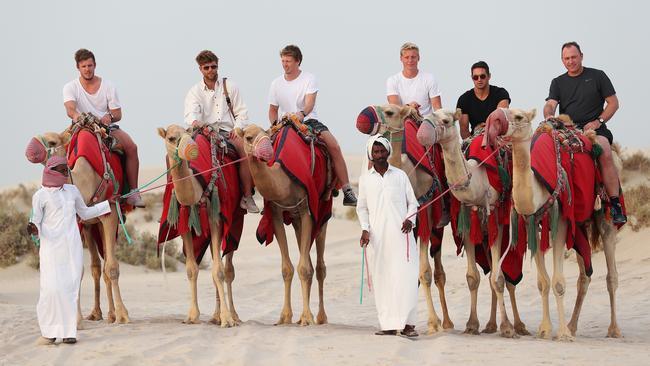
219 103
295 93
91 94
410 86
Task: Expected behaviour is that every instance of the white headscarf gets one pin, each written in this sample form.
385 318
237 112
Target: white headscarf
377 138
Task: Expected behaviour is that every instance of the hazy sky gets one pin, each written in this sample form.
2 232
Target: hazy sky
147 50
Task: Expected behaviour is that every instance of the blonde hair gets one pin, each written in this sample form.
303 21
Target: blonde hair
407 47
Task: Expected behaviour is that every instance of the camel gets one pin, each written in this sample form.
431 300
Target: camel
473 189
285 195
529 195
188 192
87 181
393 123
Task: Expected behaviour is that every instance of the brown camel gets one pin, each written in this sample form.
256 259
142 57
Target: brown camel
188 192
529 195
285 195
474 190
393 123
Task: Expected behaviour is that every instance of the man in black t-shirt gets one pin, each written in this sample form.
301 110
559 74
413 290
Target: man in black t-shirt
477 103
581 93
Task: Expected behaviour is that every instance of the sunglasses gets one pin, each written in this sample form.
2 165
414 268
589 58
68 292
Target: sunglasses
476 77
208 67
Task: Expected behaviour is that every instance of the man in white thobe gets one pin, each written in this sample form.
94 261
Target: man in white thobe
54 219
386 208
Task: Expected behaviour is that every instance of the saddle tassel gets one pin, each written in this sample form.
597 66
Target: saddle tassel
215 204
194 221
172 214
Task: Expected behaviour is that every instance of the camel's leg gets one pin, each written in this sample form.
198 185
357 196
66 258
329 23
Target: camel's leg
559 282
112 266
96 271
305 268
321 272
287 267
218 275
583 285
425 281
473 281
520 327
544 286
498 281
192 269
230 277
609 241
110 317
440 279
491 325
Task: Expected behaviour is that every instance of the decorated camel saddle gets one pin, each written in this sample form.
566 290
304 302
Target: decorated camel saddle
304 158
216 169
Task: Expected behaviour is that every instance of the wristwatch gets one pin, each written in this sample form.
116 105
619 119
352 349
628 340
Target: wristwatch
303 114
601 120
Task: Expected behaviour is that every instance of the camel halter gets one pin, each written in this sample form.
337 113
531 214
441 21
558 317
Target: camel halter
51 150
256 142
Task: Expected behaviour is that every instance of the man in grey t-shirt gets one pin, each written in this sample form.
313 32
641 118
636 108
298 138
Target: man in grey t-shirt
581 93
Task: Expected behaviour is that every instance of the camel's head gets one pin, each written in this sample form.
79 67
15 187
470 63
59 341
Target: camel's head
439 126
257 142
513 123
379 119
42 147
179 143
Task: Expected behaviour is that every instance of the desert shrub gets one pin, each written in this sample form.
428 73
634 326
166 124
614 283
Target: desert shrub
637 204
142 251
637 162
14 241
351 214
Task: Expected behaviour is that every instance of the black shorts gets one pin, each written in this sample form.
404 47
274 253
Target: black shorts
604 131
315 126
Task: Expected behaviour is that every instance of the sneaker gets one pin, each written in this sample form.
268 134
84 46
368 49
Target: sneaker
349 199
386 332
409 331
618 218
70 340
248 204
135 200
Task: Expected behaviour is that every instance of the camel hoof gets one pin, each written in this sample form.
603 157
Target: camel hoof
235 318
321 318
490 328
433 326
614 332
472 327
544 333
285 318
306 319
565 337
520 328
95 316
226 320
447 324
191 320
110 318
507 331
123 319
215 320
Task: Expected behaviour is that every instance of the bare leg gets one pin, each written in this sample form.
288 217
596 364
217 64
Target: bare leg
192 269
230 277
287 267
131 153
95 270
321 272
337 157
473 281
218 275
607 168
425 281
305 268
244 170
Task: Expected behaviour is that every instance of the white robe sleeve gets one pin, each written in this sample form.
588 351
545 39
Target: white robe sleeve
37 211
411 202
85 212
362 206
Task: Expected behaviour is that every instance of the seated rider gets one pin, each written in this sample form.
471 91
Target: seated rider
91 94
219 103
295 93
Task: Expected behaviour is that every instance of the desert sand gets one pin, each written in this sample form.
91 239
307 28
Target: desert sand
158 303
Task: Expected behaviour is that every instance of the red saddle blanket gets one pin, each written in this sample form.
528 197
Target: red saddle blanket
295 158
230 194
513 262
427 227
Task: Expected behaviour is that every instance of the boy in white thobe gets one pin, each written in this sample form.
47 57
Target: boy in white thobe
54 219
386 208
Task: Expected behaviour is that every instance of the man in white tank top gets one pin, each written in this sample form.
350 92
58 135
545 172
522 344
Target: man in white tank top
295 93
410 86
91 94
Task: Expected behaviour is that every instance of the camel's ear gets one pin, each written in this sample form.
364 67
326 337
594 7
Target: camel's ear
162 132
406 111
65 137
239 132
457 114
531 114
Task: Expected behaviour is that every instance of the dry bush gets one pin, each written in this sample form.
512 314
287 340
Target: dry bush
637 204
351 214
143 250
637 162
14 241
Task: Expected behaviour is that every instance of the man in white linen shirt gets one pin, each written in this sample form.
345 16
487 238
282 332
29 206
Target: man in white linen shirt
386 209
295 93
410 86
91 94
207 103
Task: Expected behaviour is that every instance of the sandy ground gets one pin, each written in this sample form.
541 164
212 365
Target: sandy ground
158 303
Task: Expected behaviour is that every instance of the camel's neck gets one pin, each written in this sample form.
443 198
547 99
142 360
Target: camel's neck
183 186
395 158
528 194
455 164
271 181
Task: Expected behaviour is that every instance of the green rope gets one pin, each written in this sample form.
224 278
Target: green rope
514 227
505 177
119 215
215 203
138 189
34 238
531 232
463 222
194 221
555 219
172 214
